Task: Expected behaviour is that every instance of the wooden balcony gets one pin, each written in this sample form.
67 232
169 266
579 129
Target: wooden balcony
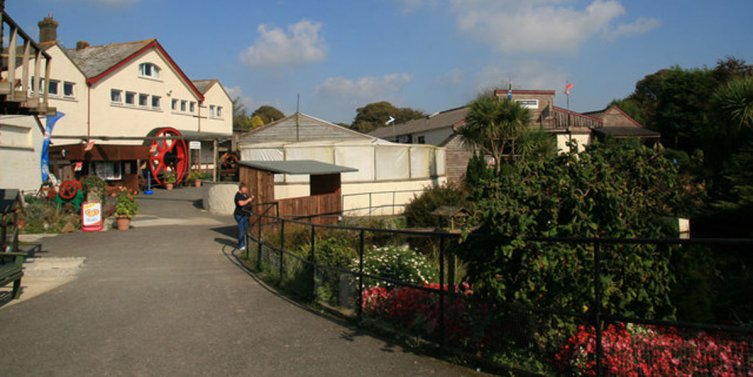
21 58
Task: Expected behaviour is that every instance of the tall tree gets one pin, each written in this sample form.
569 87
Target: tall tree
268 114
375 115
493 125
241 120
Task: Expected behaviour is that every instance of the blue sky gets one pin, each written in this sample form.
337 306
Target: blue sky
427 54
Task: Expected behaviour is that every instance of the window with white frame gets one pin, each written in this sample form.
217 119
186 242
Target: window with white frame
156 102
174 105
54 88
143 99
116 96
212 111
192 106
149 70
532 104
183 105
218 114
130 98
68 89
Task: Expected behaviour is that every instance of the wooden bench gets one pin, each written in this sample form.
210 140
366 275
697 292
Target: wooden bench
12 272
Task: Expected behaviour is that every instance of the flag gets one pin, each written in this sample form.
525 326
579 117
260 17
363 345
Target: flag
45 159
509 91
568 88
89 146
78 166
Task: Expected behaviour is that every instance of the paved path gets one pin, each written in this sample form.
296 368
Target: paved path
167 300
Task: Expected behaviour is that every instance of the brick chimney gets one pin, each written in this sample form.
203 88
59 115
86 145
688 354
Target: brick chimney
80 45
48 30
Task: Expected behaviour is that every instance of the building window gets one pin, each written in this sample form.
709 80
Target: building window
54 87
143 99
212 111
192 106
116 95
422 140
148 70
219 112
156 102
174 106
183 105
130 98
68 89
532 104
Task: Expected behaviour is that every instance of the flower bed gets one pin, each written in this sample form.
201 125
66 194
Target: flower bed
650 351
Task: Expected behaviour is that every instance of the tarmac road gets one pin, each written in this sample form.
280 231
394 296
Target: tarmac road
166 299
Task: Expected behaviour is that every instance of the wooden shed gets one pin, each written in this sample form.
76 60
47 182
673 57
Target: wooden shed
325 194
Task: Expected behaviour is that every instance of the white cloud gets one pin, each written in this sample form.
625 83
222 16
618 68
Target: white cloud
525 75
247 101
541 26
640 26
453 77
275 47
367 88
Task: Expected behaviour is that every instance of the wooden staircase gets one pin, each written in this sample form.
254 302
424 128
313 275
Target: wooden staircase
16 60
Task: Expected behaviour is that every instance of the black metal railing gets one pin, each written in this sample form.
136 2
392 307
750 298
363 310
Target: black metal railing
290 254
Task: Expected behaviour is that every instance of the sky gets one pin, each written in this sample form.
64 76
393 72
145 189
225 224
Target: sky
430 55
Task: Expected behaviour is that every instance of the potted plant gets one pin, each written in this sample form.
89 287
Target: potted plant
169 180
125 209
196 176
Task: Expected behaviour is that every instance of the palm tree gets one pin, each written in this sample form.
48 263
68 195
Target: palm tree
735 101
493 125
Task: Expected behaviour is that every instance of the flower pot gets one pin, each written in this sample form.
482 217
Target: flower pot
123 223
169 186
197 183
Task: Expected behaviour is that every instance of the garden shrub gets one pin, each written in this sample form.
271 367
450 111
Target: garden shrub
418 213
43 216
94 186
397 263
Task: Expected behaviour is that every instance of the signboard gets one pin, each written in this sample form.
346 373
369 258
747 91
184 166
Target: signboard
194 145
91 216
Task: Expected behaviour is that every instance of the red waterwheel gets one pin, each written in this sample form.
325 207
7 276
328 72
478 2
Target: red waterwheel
69 189
169 154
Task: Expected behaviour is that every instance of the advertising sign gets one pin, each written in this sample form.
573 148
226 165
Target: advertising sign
91 216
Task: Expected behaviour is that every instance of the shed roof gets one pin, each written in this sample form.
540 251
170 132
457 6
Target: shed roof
444 119
298 167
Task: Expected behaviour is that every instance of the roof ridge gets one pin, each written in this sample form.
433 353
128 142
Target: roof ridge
143 41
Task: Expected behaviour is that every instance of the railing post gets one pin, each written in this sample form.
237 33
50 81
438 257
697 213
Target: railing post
597 308
441 294
393 203
282 250
360 275
259 246
313 262
370 205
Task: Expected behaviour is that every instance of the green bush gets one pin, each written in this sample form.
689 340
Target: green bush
397 263
42 216
418 213
94 186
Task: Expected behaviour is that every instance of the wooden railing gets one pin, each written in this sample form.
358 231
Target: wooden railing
21 50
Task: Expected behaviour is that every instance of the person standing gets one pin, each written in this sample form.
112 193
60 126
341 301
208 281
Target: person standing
242 209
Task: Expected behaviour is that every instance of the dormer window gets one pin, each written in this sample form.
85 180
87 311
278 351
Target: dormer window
149 70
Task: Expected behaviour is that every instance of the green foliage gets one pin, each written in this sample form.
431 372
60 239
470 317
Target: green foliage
42 216
397 263
125 205
418 213
94 187
374 115
268 114
621 190
493 125
335 249
734 102
477 171
197 175
241 120
170 177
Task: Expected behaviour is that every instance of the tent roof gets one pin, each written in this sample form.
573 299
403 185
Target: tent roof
298 167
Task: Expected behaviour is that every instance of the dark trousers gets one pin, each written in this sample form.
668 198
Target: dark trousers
242 221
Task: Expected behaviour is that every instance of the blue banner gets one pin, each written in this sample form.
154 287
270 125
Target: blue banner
45 160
